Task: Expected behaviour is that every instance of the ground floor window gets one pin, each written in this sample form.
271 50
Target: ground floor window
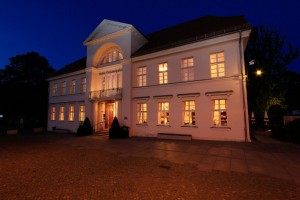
71 113
163 113
61 113
189 113
53 113
81 113
141 113
219 112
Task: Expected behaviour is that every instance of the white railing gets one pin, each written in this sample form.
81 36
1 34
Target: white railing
109 93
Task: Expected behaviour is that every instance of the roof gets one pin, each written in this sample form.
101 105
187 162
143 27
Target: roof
192 31
75 66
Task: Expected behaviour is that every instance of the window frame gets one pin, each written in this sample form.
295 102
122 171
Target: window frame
163 73
71 114
61 113
81 113
142 109
63 88
142 76
190 111
72 86
54 89
187 69
53 113
217 65
163 114
83 85
218 111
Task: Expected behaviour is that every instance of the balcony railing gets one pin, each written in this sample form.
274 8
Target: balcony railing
104 94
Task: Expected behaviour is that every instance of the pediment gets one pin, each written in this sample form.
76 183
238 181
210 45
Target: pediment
106 28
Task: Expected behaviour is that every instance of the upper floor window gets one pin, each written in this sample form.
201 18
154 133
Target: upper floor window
63 88
83 85
187 69
54 89
111 55
163 73
219 112
141 76
217 65
72 86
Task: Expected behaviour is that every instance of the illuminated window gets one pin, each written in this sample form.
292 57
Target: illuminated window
187 69
141 76
63 88
163 113
83 85
163 73
54 89
189 113
81 113
71 113
141 113
72 86
219 112
61 113
111 55
53 113
217 66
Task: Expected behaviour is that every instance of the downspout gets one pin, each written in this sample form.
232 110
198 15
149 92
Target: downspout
244 91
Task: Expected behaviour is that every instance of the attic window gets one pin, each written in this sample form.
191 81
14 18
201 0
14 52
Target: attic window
111 55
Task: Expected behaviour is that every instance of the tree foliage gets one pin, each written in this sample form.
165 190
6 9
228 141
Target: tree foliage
271 54
24 89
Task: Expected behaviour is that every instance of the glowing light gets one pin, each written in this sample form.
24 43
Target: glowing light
258 72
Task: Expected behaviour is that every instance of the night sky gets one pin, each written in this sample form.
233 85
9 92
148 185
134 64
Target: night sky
57 28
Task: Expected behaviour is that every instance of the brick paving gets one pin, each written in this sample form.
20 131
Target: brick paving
62 166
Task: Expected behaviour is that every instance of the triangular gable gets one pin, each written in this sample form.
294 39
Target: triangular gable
106 27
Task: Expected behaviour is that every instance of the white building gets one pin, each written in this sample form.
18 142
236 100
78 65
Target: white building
188 79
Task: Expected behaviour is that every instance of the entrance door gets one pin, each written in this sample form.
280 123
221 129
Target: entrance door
109 114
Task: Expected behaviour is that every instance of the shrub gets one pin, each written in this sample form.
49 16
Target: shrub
116 131
290 132
85 128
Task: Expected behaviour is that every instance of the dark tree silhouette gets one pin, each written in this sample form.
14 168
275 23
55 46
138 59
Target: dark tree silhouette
24 90
271 54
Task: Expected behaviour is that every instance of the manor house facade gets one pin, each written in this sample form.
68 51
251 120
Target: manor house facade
188 79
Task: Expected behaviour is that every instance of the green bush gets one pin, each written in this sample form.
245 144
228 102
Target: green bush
85 128
116 131
290 132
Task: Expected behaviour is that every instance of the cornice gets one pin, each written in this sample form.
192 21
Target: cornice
108 36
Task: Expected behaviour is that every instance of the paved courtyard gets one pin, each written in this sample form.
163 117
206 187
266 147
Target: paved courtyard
63 166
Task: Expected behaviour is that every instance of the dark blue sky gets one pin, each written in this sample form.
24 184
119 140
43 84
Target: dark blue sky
57 28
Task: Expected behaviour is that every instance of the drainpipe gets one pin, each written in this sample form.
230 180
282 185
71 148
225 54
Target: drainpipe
244 91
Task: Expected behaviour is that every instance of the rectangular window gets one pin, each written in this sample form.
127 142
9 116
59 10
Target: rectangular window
187 69
217 65
54 90
163 113
141 76
163 73
83 85
219 112
71 113
72 86
81 113
141 113
61 113
189 113
63 88
53 113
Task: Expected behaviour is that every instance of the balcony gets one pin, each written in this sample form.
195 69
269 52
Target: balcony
115 93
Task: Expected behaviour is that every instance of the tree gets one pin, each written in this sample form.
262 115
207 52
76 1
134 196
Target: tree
25 88
269 52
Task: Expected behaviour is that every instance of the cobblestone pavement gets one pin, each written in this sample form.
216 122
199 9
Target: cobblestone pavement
62 166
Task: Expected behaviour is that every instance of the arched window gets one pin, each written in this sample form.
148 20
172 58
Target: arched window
111 55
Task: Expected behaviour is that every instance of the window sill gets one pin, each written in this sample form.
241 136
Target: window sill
189 126
145 124
221 127
163 125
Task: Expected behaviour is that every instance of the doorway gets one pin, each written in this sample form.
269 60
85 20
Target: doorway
109 114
